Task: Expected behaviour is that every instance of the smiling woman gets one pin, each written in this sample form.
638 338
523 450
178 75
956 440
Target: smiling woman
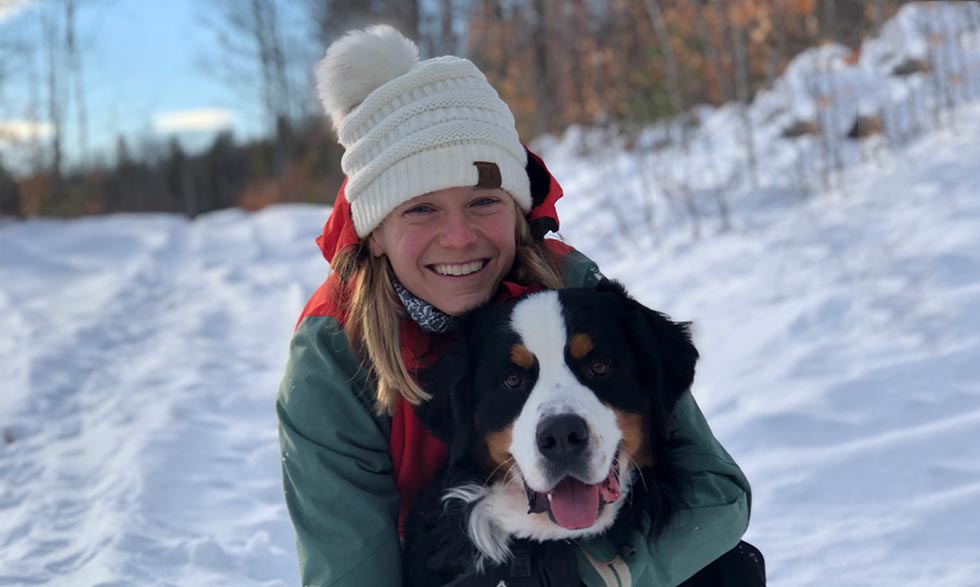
443 211
451 247
437 255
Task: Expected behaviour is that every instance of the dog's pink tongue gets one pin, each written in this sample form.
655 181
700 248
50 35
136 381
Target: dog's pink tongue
574 504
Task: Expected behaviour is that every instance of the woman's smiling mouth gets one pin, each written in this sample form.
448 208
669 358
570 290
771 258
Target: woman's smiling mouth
458 269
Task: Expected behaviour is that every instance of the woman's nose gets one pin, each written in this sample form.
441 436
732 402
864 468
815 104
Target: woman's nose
457 231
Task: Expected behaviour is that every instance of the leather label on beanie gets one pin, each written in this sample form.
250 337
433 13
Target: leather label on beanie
489 174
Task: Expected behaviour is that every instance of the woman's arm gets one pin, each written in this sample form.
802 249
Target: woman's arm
716 515
719 500
337 472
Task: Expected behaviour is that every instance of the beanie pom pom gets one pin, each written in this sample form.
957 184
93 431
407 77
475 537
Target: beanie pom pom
357 64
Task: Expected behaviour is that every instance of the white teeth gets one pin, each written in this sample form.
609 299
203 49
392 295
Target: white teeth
457 270
549 498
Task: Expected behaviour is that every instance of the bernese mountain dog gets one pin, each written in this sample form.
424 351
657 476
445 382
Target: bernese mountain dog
556 409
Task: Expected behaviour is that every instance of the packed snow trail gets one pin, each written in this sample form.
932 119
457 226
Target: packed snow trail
144 448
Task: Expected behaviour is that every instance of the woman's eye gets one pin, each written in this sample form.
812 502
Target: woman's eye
513 381
420 209
485 201
599 368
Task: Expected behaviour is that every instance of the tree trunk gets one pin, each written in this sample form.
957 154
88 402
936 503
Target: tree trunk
447 17
711 54
670 59
75 70
56 109
545 88
742 92
829 16
877 15
407 16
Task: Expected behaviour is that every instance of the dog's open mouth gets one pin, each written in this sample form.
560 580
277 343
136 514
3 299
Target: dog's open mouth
573 504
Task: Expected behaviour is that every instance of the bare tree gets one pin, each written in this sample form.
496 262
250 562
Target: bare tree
877 15
407 17
7 50
670 58
332 18
57 85
437 31
16 58
541 35
711 53
52 42
250 37
9 196
447 20
73 58
829 18
742 93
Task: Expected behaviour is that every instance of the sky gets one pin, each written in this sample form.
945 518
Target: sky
145 74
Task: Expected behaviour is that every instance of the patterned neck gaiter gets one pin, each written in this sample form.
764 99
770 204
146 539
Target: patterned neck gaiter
429 318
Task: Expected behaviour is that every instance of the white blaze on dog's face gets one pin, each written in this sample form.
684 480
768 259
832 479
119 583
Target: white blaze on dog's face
565 440
558 396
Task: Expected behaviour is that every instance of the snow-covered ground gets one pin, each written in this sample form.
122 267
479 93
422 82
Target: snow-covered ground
839 330
840 343
138 366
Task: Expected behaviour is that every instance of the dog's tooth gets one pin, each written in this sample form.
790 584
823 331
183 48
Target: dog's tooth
549 497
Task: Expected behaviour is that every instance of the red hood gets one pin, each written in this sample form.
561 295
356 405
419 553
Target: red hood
339 233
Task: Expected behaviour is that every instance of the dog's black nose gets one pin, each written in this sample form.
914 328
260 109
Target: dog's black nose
564 437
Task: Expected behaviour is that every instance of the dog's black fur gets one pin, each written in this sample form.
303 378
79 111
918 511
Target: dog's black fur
654 362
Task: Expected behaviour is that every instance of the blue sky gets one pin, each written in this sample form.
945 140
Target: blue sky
143 73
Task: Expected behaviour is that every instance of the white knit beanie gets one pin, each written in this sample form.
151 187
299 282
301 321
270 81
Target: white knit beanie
411 127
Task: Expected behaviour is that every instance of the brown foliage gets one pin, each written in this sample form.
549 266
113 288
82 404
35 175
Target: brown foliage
562 62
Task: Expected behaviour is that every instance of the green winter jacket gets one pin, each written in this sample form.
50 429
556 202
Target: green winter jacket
341 494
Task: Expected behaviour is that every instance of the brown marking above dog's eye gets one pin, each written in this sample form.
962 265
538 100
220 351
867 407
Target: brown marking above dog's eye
521 356
498 449
635 441
580 345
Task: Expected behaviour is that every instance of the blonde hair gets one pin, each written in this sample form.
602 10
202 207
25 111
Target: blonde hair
373 312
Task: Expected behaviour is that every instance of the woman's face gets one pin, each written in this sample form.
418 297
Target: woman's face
450 247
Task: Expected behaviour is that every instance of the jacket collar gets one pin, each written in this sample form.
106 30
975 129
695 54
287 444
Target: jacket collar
339 234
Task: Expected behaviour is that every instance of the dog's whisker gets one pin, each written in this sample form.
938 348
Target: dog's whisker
512 478
636 468
509 460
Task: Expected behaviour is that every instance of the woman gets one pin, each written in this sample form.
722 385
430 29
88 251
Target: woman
442 210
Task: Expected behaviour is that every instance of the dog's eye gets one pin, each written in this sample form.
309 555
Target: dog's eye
599 368
513 381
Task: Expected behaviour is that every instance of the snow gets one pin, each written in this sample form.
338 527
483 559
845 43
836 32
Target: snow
138 390
841 364
839 328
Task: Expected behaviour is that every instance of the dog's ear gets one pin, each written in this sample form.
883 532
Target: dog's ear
667 359
449 413
663 346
